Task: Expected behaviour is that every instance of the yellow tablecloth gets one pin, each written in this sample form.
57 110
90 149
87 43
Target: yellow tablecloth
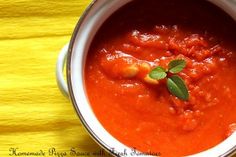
34 115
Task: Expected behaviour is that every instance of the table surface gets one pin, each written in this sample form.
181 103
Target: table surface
34 115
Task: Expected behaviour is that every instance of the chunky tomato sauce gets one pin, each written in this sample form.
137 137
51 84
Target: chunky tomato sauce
140 111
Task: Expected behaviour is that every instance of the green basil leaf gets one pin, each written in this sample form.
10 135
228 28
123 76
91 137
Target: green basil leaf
158 73
176 66
177 87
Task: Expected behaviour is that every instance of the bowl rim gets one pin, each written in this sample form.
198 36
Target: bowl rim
69 79
95 137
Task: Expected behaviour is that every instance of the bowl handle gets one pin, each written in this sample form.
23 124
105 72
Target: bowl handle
62 85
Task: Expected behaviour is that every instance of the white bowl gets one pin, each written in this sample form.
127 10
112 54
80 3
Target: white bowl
88 25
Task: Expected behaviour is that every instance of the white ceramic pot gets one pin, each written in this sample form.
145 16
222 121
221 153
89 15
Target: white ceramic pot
76 52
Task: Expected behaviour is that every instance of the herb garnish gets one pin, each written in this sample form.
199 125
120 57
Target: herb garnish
175 83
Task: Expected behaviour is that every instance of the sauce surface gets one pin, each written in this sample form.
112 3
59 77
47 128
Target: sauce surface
140 112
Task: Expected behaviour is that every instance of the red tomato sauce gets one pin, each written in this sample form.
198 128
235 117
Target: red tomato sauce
140 112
